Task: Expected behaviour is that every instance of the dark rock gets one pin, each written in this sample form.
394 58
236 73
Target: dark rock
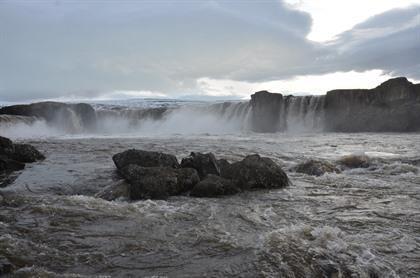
6 146
355 161
6 267
10 165
214 186
205 164
392 106
120 189
188 178
265 111
13 158
316 168
223 166
144 159
26 153
256 172
158 182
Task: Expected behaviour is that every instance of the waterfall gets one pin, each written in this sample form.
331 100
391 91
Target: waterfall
303 113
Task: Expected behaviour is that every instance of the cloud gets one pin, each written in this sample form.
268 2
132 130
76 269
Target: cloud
85 48
389 41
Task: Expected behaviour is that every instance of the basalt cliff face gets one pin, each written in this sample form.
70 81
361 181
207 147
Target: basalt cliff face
393 106
73 117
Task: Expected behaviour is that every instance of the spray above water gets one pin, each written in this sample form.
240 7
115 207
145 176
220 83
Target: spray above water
299 115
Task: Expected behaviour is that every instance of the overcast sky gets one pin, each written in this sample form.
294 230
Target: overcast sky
91 49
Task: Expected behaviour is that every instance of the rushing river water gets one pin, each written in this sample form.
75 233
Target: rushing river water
359 223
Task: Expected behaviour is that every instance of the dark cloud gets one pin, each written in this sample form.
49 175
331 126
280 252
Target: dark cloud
389 41
50 49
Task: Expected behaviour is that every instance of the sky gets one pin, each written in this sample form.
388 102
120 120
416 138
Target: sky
102 49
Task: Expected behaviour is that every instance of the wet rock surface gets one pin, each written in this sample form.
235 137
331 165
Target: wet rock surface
355 161
144 159
153 175
205 164
13 158
158 182
316 168
214 186
255 172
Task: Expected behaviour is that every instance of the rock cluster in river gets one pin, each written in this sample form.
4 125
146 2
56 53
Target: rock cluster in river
13 156
155 175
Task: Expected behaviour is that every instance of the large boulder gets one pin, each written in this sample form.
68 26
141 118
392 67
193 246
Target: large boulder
316 168
158 182
27 153
144 159
205 164
214 186
255 172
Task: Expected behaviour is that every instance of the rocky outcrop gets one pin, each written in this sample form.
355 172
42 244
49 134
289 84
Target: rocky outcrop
266 109
316 168
71 117
392 106
158 182
205 164
26 153
144 159
14 156
256 172
214 186
154 175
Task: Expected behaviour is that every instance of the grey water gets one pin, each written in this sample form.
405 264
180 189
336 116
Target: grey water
358 223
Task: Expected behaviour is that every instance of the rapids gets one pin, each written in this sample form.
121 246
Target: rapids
359 223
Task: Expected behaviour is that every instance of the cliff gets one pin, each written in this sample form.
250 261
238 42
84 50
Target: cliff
393 106
72 117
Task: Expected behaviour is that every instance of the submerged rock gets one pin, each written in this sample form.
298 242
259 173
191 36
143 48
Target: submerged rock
214 186
120 189
316 168
254 172
355 161
205 164
144 159
158 182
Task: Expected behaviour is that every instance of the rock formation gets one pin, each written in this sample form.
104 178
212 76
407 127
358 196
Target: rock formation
70 117
154 175
393 106
14 156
